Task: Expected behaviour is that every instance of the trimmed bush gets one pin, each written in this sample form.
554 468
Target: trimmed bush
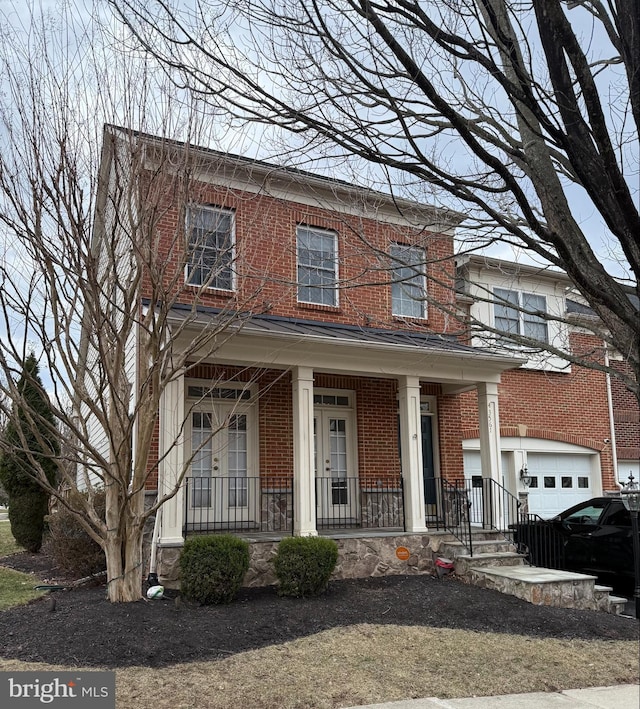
70 545
27 517
30 446
303 565
212 568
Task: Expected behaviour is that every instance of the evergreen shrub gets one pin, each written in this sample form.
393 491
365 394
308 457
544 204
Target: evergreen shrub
212 568
303 565
26 514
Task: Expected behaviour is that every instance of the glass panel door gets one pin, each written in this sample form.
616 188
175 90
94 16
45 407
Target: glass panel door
220 493
334 466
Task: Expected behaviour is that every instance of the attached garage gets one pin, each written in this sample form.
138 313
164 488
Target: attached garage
562 474
558 481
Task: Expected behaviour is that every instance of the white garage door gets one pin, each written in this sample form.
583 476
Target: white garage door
558 481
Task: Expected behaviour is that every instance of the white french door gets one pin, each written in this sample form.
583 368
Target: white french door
335 464
220 467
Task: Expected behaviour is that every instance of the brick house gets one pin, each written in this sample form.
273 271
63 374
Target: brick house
558 420
626 419
345 398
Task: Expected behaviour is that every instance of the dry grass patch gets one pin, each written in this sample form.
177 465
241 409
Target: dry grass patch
367 664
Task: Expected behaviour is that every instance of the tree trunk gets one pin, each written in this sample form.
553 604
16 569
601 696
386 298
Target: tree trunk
123 552
123 545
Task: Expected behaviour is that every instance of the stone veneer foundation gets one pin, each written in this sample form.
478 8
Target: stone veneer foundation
357 558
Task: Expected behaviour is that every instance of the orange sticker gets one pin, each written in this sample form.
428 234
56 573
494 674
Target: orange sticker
402 553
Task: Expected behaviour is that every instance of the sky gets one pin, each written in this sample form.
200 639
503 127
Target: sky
113 91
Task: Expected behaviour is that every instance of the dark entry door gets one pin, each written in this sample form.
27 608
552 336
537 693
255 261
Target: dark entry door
428 467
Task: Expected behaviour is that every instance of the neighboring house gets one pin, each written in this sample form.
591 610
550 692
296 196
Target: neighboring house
626 419
347 394
555 419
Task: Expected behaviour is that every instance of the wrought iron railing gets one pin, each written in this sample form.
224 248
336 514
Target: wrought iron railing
458 506
447 507
346 503
240 504
541 543
492 505
237 504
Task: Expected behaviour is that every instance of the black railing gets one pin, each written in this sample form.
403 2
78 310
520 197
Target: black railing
459 506
237 504
539 541
447 507
492 505
347 503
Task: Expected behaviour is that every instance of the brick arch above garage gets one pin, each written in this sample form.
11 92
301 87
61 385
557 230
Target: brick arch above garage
522 431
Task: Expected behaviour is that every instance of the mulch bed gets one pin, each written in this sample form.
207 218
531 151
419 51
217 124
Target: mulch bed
85 629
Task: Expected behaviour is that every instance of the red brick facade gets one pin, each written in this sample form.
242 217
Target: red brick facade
557 406
626 416
266 258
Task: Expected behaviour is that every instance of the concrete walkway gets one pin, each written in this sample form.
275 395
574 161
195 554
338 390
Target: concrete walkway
624 696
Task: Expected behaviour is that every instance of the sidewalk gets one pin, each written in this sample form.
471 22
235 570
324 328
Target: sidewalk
624 696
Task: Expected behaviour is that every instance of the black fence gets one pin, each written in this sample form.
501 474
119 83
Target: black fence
240 504
541 543
237 504
344 503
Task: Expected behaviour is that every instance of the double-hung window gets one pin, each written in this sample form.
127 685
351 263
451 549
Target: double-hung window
317 266
517 313
408 283
210 249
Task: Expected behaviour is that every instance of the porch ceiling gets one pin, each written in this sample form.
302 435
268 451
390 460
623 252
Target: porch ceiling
269 341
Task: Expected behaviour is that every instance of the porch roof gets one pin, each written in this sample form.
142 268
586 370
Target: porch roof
338 347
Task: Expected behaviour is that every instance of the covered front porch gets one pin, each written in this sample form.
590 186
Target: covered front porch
321 428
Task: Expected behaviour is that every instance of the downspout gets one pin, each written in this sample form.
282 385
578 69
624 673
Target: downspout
152 579
612 427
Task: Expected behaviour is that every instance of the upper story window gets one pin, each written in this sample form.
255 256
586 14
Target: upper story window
317 265
515 314
408 283
210 247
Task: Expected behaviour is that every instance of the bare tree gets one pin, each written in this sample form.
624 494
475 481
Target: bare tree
97 239
519 112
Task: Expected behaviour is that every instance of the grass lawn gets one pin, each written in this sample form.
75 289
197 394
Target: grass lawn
7 542
366 664
15 588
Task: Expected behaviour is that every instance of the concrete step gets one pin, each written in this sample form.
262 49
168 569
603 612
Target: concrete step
464 563
477 534
453 549
495 564
548 587
616 605
608 602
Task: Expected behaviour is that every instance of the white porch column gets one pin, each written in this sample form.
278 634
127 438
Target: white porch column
171 453
304 477
489 419
411 445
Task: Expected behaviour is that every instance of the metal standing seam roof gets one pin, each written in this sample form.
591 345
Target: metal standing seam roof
338 332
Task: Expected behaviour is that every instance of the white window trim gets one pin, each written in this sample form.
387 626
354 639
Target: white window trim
499 301
224 210
423 286
335 289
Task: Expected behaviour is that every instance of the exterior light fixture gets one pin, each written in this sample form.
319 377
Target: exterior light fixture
525 478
